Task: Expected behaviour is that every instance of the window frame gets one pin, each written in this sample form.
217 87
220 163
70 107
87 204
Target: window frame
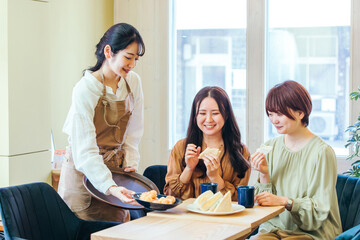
256 69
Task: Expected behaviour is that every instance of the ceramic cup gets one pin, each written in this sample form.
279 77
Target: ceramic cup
246 196
208 186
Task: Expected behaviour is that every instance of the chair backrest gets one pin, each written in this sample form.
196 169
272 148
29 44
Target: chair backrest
156 174
36 211
348 193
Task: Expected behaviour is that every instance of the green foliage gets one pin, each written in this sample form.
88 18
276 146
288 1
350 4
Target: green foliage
354 142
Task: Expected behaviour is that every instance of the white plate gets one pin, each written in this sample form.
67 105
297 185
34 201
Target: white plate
236 208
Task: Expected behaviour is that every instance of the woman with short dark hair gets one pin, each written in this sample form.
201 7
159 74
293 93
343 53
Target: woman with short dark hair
299 172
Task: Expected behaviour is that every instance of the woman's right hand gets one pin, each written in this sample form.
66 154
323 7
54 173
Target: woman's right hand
192 155
124 194
258 163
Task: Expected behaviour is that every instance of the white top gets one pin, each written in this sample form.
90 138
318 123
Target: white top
79 125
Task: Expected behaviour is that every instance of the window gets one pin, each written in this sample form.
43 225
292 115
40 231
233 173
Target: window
210 51
306 41
314 51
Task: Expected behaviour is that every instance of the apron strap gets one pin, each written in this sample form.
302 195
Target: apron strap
105 103
108 156
103 82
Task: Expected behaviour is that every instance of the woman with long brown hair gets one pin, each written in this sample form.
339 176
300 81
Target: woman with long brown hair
212 124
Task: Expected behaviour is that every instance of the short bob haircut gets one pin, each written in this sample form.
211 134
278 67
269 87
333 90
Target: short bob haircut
289 95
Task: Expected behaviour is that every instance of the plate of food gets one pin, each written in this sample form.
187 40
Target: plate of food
153 201
209 203
130 180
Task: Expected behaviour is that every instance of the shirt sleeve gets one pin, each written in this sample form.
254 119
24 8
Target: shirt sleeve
135 128
173 184
311 211
82 135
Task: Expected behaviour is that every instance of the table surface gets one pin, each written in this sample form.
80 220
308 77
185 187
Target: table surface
150 227
252 217
179 223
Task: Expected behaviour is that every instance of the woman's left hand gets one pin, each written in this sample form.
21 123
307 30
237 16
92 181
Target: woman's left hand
124 194
269 199
129 169
212 164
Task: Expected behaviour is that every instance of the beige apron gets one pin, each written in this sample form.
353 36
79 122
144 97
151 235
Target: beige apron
111 120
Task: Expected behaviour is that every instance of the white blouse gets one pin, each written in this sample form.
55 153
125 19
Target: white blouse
80 127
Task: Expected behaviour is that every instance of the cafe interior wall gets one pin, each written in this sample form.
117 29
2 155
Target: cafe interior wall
150 17
44 46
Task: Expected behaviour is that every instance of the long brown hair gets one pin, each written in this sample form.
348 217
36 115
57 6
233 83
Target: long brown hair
230 131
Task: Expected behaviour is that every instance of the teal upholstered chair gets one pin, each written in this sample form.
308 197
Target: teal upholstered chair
348 193
36 211
157 174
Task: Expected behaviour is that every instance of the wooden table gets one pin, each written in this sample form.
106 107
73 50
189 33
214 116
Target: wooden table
55 177
252 217
150 227
179 223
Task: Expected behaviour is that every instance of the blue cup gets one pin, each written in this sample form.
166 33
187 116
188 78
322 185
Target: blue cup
246 196
208 186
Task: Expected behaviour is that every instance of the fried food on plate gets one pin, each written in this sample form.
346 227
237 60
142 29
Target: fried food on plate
151 196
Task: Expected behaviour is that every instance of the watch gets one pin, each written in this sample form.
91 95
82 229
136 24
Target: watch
289 204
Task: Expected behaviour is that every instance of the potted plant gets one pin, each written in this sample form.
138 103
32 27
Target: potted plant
354 142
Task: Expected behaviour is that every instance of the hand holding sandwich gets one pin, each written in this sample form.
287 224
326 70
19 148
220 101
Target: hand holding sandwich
258 163
212 164
191 156
191 159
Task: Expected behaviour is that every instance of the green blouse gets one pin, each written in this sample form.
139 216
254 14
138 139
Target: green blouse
307 176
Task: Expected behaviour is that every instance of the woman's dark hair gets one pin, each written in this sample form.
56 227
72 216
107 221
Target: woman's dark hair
230 131
289 95
118 37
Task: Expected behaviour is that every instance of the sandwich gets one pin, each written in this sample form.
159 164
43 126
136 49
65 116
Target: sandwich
200 200
211 201
264 149
216 203
212 151
224 204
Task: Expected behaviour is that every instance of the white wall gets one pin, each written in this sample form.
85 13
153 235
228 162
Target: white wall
44 46
76 27
150 17
24 144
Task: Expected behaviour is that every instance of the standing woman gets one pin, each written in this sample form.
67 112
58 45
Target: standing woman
212 124
105 125
298 173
